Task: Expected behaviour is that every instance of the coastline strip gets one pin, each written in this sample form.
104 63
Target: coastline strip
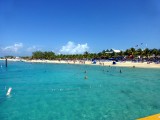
101 63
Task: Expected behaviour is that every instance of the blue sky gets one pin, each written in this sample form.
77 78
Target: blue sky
73 26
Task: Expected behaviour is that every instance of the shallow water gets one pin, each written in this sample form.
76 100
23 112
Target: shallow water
60 92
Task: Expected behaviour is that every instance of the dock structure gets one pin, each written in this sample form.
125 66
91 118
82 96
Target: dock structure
6 63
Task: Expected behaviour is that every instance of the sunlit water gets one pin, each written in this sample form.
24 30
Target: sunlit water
60 92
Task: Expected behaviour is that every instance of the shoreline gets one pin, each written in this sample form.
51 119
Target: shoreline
101 63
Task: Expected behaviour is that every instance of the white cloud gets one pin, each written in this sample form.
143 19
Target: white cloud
13 48
31 49
72 48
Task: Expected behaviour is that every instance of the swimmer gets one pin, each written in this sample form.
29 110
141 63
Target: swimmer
120 71
85 77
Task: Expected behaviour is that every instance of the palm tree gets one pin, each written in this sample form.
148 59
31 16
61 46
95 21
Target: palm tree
127 52
132 51
86 54
154 52
37 55
139 52
121 53
146 53
103 54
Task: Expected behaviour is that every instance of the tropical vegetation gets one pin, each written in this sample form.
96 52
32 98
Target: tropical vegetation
131 53
128 54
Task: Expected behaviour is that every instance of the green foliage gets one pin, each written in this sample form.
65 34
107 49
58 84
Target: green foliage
26 57
105 54
155 52
10 57
43 55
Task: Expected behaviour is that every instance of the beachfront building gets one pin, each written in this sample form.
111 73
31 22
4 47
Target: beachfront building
113 50
116 51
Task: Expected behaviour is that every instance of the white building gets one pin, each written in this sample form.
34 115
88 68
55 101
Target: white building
116 51
113 50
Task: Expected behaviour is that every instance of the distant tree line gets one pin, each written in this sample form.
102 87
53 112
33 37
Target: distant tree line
131 53
43 55
10 57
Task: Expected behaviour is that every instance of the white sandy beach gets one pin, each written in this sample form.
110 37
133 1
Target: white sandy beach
106 63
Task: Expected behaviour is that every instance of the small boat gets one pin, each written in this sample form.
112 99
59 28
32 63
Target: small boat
9 91
152 117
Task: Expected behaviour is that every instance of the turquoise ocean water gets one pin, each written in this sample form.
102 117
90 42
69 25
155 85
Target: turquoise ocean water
60 92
